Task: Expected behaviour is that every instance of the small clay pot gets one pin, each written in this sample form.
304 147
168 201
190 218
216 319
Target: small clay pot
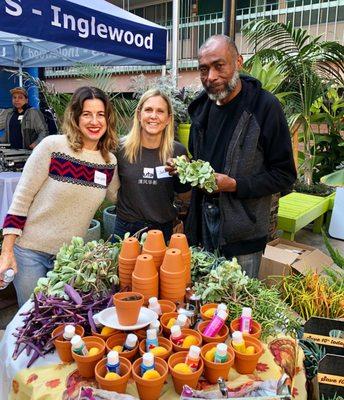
147 287
105 337
144 267
154 241
119 340
180 379
173 280
164 321
130 249
163 342
187 332
205 308
119 385
150 389
213 371
175 298
63 347
128 311
246 363
219 338
173 261
256 328
167 306
86 364
179 241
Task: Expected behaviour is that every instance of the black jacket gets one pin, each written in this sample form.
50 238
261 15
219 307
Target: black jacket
259 156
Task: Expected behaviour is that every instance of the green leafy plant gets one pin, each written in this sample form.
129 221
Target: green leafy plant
86 267
198 173
313 354
307 62
336 256
226 283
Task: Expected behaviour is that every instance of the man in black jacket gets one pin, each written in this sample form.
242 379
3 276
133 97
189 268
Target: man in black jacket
242 131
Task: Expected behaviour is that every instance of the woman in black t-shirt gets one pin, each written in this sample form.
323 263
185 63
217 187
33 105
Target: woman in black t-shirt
146 195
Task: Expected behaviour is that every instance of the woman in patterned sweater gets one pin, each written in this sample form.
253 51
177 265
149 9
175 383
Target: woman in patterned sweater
63 183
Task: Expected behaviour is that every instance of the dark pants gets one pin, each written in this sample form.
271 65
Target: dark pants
122 227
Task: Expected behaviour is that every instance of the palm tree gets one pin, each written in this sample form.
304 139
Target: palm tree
309 65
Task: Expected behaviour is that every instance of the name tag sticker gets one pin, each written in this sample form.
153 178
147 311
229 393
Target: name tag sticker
100 178
148 173
161 173
20 117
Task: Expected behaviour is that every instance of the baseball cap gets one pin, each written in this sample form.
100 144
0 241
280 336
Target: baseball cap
19 90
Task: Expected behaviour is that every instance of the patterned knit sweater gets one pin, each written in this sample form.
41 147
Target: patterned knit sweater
58 194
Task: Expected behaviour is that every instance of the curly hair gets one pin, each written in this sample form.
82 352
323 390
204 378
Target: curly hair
132 142
108 142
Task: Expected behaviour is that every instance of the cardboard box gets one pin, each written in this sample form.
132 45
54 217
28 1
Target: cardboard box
281 256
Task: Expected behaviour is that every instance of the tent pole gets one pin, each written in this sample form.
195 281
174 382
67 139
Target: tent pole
175 40
20 75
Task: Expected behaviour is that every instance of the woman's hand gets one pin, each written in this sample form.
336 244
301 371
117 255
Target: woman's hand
7 257
170 165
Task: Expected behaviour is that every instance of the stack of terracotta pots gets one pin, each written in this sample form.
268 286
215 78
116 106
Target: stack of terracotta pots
145 278
172 276
126 261
155 246
179 241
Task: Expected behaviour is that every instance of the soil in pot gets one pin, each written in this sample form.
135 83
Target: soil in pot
118 385
128 306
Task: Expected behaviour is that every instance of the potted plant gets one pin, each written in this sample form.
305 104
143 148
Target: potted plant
93 232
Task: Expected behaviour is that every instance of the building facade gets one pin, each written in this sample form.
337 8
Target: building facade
200 19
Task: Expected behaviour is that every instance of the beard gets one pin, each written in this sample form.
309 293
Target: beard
225 93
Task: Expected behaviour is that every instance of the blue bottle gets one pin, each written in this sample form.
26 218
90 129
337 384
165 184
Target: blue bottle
147 362
112 363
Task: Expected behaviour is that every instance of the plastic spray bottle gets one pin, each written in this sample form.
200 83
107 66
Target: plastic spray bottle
221 353
176 335
112 363
154 305
238 342
192 359
152 339
79 346
215 325
7 278
130 342
68 332
246 320
147 362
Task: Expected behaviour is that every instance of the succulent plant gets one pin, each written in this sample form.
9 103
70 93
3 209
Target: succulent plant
198 173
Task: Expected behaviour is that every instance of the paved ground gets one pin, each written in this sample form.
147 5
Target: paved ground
305 236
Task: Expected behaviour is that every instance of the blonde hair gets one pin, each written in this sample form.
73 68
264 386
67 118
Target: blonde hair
108 142
132 142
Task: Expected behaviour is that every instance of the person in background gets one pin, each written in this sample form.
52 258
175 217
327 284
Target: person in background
242 131
25 126
64 181
146 195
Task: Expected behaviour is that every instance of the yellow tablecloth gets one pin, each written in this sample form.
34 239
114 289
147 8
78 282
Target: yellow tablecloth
62 381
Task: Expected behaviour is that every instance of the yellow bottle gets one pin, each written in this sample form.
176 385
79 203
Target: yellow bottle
238 342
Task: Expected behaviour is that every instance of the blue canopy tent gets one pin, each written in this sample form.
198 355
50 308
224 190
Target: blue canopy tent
65 32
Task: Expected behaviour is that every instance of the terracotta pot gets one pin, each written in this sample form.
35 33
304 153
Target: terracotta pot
105 337
130 249
144 267
119 340
164 321
179 241
205 308
180 379
127 311
167 306
154 241
163 342
157 257
175 299
246 363
187 332
173 261
255 331
176 279
150 389
219 338
213 371
86 364
63 347
119 385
